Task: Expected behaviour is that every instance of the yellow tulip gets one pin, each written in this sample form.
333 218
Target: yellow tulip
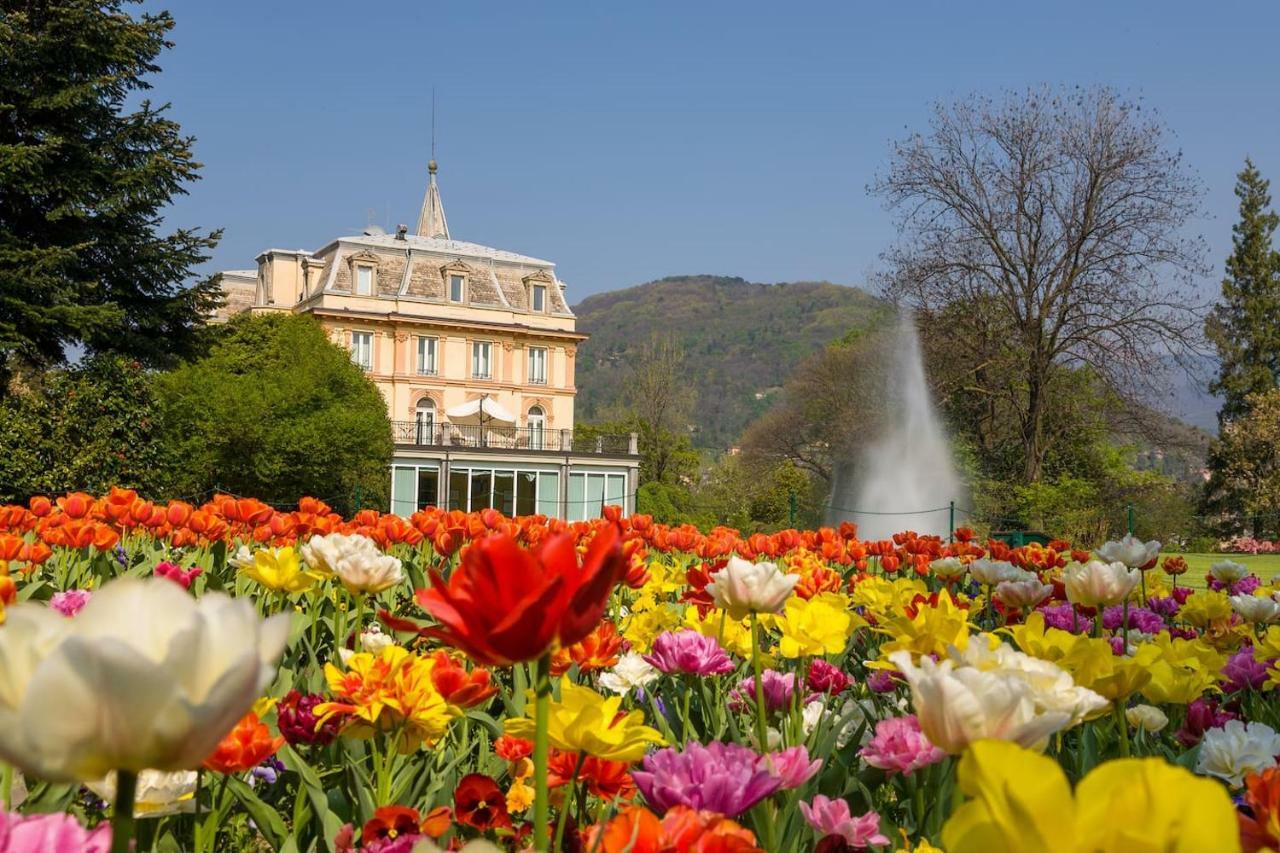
390 691
932 631
1021 801
585 721
1183 671
279 570
1206 607
734 635
1093 664
1267 647
1033 638
882 597
818 626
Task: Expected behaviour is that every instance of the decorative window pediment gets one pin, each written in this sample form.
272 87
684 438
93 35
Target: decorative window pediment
455 275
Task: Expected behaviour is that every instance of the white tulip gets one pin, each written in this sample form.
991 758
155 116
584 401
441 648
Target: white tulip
1096 583
356 560
632 671
1236 750
159 794
957 706
743 587
1131 551
1228 572
145 677
1256 609
947 568
1147 717
994 572
241 559
1019 594
1053 688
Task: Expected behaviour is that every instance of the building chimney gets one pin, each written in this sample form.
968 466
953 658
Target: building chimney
402 231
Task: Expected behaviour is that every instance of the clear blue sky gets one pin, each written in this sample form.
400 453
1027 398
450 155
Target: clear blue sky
628 141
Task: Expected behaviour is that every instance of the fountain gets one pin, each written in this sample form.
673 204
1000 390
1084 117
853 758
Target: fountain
906 477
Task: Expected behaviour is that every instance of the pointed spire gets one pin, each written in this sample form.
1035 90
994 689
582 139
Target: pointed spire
431 222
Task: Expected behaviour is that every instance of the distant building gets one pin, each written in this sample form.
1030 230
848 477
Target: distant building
473 349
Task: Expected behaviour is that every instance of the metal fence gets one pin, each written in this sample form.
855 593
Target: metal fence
498 437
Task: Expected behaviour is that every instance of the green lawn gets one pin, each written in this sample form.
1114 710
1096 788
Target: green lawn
1265 566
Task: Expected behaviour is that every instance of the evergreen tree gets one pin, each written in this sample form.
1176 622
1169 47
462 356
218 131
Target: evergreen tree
85 174
1244 326
1244 329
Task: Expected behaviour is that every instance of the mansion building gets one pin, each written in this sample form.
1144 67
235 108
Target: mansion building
473 349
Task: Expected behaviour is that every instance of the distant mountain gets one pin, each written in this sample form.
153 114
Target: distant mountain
741 341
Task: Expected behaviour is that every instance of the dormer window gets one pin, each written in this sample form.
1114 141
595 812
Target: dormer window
457 288
537 291
364 280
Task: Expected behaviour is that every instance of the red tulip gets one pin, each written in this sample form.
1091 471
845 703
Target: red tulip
504 604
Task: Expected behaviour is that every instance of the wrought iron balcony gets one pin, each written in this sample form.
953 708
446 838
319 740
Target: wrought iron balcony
498 437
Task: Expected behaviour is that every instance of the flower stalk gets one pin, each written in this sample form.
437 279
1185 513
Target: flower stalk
541 754
122 824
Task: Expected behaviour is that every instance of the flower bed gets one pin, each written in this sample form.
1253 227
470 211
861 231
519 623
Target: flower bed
233 677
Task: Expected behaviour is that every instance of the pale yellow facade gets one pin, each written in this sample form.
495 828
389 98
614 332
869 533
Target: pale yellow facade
473 349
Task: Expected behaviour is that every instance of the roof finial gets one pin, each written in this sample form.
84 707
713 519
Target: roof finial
431 164
431 222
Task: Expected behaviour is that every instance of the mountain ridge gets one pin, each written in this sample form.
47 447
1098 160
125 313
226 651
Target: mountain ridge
741 339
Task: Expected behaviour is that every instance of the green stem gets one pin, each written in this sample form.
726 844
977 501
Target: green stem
1123 725
762 728
6 785
684 711
564 809
198 836
541 753
122 814
359 622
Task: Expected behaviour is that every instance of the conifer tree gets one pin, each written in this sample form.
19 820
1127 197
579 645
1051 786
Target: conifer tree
87 170
1245 326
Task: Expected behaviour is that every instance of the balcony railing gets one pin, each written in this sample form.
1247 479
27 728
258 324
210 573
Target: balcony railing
496 437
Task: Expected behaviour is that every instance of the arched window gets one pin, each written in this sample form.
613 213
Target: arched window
537 421
426 421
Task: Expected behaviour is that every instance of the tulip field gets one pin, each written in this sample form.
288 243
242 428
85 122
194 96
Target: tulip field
233 677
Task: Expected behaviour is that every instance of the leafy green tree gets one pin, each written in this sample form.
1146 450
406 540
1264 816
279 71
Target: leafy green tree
87 427
277 411
1243 326
86 171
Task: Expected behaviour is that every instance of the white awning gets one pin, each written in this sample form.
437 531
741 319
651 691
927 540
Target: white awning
470 410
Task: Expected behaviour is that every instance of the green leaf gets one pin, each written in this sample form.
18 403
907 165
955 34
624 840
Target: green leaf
315 791
268 821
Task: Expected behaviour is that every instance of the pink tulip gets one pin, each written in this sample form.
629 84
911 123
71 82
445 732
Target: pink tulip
832 817
900 747
688 652
70 603
51 833
793 766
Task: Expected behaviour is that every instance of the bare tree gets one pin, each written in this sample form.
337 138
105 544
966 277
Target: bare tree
660 400
1065 210
827 411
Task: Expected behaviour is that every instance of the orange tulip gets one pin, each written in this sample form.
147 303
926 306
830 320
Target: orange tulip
457 686
75 504
40 506
1262 830
246 746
